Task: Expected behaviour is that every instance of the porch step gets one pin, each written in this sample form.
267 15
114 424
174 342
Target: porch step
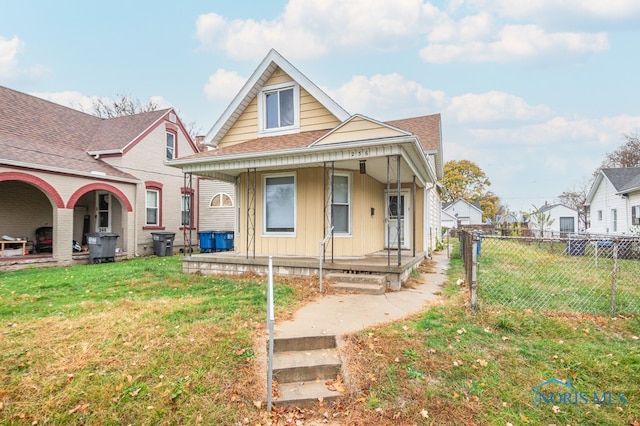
302 366
358 283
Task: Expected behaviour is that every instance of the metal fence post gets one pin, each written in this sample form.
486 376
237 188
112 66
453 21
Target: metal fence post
474 272
270 326
614 278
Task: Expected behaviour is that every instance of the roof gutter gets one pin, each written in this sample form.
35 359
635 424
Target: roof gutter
92 175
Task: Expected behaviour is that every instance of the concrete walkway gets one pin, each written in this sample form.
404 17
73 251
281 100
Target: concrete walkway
338 314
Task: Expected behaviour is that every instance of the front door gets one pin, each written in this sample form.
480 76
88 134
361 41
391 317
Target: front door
396 214
103 211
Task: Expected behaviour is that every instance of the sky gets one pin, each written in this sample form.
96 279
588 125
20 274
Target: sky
536 93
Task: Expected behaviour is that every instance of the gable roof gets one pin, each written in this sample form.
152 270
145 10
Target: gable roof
255 83
623 179
39 134
548 207
474 204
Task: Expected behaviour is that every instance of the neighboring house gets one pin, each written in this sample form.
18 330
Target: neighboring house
77 173
561 221
614 201
466 213
302 164
448 221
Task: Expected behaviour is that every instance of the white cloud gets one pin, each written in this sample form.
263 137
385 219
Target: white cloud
71 99
612 9
476 40
84 103
8 51
223 85
310 28
9 66
390 96
493 106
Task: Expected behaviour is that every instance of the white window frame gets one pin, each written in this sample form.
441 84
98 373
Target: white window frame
599 215
265 232
614 220
156 207
173 145
221 206
186 199
262 110
349 203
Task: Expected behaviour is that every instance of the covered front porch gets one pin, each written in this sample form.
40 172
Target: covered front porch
393 265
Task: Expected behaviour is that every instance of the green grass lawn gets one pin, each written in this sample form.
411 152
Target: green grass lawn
523 275
446 366
138 342
133 342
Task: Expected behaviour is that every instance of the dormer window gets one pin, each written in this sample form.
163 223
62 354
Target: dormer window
279 109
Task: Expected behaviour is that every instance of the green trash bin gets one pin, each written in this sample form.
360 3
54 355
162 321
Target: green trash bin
102 246
163 243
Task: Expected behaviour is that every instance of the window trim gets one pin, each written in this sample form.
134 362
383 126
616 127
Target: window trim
599 215
265 232
155 187
349 204
190 193
175 144
614 220
262 110
222 194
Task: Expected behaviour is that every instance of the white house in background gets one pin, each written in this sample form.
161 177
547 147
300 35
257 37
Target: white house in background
614 201
464 212
564 221
448 221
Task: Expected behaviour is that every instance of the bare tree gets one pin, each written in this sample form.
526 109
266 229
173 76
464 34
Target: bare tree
121 106
627 155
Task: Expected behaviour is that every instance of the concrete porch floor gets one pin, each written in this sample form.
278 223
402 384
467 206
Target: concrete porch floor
235 263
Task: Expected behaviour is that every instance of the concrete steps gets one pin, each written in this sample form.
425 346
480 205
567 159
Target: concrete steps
358 283
302 366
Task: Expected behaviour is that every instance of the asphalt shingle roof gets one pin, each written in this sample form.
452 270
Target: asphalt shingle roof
623 178
35 132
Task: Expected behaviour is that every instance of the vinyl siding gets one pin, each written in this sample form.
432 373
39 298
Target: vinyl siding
313 115
367 230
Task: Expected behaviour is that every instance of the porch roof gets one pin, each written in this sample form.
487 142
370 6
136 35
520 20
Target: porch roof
292 151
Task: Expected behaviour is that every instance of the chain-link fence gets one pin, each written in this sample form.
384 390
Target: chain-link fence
581 273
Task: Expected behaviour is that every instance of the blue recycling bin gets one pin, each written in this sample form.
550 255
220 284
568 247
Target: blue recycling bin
223 240
207 242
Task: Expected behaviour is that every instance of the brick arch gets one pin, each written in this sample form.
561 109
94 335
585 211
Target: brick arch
99 187
49 190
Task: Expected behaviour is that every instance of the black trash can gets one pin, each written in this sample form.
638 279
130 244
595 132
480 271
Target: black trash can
163 243
576 247
223 240
102 246
206 241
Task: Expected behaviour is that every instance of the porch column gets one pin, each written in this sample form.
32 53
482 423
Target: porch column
400 211
251 211
413 215
62 235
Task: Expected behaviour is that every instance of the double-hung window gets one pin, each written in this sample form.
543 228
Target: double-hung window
153 208
171 146
635 215
341 204
279 109
614 220
280 204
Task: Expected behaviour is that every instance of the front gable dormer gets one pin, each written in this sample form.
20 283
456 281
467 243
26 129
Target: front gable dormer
276 100
278 105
